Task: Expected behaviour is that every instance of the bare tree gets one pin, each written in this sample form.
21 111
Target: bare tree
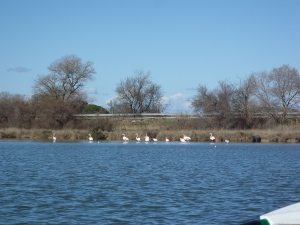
244 101
279 92
286 88
67 77
24 113
205 101
225 113
15 111
138 94
56 113
6 109
215 103
60 94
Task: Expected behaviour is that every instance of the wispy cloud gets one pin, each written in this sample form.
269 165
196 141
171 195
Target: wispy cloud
19 69
91 91
191 89
110 99
178 103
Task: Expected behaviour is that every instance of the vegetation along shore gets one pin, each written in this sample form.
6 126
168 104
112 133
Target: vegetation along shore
154 129
261 107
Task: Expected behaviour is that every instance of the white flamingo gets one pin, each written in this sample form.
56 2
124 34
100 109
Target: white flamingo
167 140
182 140
90 137
125 138
187 138
54 138
146 137
137 137
212 138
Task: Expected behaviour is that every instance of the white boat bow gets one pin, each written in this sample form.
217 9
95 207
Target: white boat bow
289 215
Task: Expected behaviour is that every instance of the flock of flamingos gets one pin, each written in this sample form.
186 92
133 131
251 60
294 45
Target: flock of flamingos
147 138
183 139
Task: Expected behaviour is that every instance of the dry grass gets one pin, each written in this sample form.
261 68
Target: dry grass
65 134
162 128
203 135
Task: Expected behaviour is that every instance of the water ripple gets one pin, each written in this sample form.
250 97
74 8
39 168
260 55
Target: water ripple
112 183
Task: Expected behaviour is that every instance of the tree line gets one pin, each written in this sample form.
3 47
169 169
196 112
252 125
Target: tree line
57 96
260 98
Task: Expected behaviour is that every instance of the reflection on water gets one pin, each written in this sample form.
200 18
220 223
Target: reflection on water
138 183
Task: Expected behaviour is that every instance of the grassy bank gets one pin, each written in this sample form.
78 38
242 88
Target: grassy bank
270 135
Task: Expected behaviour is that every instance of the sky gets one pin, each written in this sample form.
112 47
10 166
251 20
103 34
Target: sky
183 43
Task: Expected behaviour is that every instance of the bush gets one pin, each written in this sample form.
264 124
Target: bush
91 109
256 138
98 134
8 135
45 134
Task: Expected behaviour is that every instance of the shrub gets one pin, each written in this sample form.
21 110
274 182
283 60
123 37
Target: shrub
256 138
8 135
98 134
90 108
45 134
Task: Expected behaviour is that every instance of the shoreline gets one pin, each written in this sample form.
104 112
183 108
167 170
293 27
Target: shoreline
246 136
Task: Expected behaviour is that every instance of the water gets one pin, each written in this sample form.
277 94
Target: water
154 183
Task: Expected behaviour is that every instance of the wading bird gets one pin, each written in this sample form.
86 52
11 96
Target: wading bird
212 138
125 138
146 137
187 138
182 140
137 137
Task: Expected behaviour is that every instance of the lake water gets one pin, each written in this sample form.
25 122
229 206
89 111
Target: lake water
139 183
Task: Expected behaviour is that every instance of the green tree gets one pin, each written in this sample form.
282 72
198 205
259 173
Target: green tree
91 109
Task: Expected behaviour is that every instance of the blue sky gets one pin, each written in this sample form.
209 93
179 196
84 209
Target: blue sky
182 43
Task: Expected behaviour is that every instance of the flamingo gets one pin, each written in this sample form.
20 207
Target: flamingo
137 137
182 140
146 137
167 140
227 141
54 138
212 138
90 137
125 138
187 138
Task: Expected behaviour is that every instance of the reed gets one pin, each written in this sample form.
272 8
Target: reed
160 130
